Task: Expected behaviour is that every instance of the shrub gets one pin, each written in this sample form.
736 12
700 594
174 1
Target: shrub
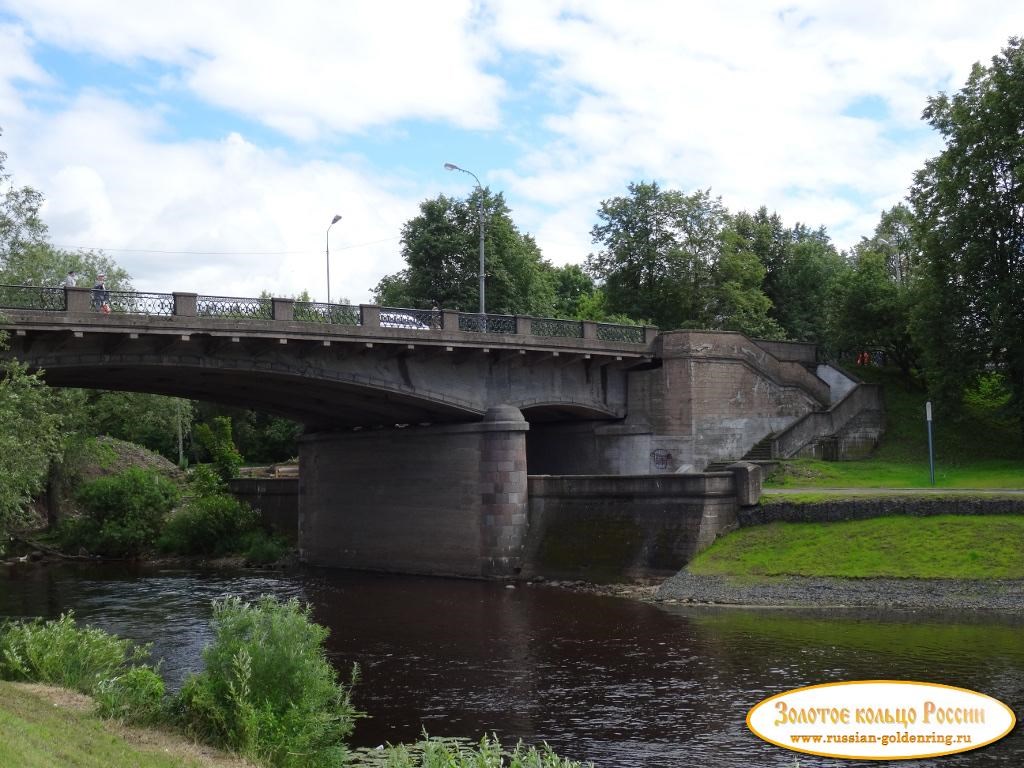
444 753
268 691
123 513
59 653
215 439
135 697
261 548
208 525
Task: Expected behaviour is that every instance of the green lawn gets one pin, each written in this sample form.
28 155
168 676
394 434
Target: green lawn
946 546
981 450
37 734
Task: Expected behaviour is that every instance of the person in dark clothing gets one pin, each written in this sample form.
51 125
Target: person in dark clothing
100 295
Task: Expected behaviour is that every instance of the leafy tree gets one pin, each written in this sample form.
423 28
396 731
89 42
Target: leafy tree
874 298
738 302
215 439
573 286
658 249
21 227
30 437
969 203
805 282
441 250
149 420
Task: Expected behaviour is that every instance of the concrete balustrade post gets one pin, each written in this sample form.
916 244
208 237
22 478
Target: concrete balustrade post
283 309
78 299
650 334
185 304
524 325
370 314
589 329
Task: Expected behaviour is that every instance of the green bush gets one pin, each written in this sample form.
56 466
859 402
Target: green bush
261 548
123 513
59 653
135 697
268 692
208 525
215 439
449 753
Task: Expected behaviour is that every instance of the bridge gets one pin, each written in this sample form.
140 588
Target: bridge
422 425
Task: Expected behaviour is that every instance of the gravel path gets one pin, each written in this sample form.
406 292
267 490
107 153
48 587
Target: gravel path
944 594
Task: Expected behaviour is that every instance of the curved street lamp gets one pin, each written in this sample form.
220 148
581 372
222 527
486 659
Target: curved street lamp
454 167
334 221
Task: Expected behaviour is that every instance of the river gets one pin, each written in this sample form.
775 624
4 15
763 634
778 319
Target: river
612 680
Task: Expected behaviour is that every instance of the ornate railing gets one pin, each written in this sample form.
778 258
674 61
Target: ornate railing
411 319
487 323
545 326
333 314
132 303
226 306
32 297
634 334
167 304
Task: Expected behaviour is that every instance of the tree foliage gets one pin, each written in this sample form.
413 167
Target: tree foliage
440 247
969 205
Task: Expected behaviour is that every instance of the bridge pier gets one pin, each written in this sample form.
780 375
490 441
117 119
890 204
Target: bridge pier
443 499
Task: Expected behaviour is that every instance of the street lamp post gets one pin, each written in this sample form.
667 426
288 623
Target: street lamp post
334 221
454 167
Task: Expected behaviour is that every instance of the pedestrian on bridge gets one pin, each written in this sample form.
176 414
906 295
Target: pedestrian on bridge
71 280
100 295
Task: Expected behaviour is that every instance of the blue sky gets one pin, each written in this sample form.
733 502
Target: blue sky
226 135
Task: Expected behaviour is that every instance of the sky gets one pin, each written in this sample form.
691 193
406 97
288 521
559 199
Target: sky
206 146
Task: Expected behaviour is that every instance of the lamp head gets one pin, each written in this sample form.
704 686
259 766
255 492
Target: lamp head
336 219
451 167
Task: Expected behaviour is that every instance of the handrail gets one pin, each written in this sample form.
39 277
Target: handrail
56 299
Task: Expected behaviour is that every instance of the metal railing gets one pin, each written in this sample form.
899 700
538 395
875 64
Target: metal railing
487 323
133 303
411 319
633 334
332 314
226 306
546 326
32 297
165 305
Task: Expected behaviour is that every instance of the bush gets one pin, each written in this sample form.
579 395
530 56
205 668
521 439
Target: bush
123 513
261 548
208 525
215 439
442 753
135 697
59 653
268 691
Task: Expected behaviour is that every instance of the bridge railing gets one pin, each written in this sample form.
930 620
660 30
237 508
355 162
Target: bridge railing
331 314
227 306
264 308
32 297
135 303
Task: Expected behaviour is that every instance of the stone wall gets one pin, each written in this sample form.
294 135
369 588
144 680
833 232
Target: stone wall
865 508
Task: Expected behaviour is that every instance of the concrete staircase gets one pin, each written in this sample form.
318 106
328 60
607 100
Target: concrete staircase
762 451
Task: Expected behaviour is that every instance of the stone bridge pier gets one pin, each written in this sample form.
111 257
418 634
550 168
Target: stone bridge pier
447 499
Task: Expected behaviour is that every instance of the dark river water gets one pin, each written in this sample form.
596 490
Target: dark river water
611 680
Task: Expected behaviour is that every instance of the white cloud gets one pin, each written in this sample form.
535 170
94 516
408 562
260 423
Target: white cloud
305 67
110 183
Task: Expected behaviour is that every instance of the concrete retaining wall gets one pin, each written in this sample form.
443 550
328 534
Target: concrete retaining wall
606 529
276 499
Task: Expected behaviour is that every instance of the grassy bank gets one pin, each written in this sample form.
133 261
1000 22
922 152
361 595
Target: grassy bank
983 449
948 547
43 727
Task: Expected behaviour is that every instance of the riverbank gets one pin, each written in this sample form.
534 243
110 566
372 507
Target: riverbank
44 725
824 592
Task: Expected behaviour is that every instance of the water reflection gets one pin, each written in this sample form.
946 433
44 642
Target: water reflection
604 679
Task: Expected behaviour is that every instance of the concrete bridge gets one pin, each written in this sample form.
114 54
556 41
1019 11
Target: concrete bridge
421 425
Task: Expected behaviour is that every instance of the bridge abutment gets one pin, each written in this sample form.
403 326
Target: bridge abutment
443 499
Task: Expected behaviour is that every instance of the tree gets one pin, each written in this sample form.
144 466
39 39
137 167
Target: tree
969 205
30 437
441 251
804 284
658 248
572 286
21 227
738 301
